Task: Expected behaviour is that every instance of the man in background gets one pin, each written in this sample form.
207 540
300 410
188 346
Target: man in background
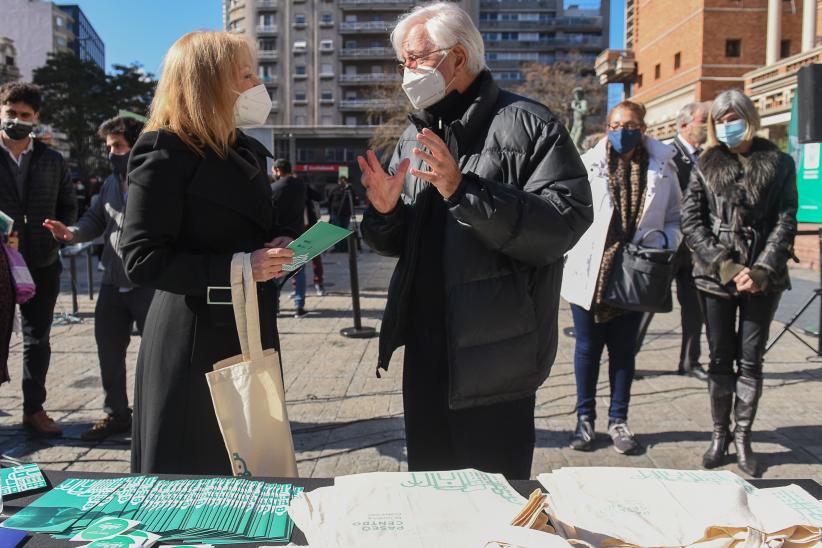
340 208
34 186
691 134
289 196
120 304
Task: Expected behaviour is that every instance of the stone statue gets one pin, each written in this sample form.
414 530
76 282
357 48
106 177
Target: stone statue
579 109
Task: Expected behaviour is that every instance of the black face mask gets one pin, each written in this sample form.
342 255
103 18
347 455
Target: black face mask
17 130
120 163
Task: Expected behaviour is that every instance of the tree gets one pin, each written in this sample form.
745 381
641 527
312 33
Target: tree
78 96
389 116
552 85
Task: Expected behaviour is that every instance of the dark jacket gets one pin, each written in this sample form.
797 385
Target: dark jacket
185 218
313 197
48 195
288 196
340 201
682 161
105 218
741 210
523 202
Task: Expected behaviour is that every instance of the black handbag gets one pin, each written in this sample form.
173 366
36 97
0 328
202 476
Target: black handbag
641 278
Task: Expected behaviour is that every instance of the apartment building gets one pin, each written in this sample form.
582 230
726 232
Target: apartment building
9 72
40 27
322 61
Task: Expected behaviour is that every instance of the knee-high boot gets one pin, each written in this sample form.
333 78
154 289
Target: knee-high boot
748 392
721 390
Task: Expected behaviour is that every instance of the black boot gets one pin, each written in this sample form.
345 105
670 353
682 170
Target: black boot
721 390
748 391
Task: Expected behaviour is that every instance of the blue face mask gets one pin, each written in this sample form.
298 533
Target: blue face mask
624 140
732 133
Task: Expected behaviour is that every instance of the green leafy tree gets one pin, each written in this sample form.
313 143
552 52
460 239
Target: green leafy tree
78 96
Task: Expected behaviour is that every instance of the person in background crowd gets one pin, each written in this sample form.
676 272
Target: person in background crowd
198 193
120 303
34 186
340 209
691 135
474 295
80 192
313 214
289 197
7 310
635 191
739 218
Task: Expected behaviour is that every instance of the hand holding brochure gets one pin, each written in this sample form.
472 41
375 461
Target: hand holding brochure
313 242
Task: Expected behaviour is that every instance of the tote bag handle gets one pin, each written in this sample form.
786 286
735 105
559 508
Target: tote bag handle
246 307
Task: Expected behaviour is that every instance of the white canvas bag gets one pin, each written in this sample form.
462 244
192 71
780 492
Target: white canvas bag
247 391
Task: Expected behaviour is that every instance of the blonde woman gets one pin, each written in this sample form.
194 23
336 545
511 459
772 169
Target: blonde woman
739 218
198 193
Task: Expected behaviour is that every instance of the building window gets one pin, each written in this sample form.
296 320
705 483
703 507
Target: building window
300 96
351 120
327 69
677 60
733 47
326 45
299 120
300 46
327 18
299 19
59 21
784 49
299 70
327 121
267 20
326 95
657 71
639 80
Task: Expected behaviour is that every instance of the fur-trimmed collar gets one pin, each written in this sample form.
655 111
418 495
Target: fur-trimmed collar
726 171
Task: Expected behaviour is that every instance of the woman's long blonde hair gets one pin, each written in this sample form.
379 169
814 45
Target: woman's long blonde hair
196 93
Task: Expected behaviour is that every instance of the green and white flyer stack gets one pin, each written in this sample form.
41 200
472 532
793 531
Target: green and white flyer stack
208 511
20 479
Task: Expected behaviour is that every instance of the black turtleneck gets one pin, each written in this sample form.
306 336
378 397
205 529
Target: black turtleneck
427 298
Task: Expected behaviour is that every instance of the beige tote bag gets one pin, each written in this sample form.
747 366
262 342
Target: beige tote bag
247 391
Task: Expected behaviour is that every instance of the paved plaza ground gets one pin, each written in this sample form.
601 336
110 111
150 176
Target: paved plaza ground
345 420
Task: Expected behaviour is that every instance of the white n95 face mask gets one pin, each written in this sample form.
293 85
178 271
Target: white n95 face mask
252 107
423 85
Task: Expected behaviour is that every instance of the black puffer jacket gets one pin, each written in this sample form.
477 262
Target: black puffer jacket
48 195
523 202
741 210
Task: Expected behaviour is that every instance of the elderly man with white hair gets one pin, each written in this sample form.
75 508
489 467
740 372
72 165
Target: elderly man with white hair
484 195
692 132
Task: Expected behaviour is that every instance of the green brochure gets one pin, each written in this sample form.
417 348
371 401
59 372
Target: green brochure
314 241
20 479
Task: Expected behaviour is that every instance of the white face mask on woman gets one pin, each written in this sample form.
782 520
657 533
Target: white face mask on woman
252 107
424 85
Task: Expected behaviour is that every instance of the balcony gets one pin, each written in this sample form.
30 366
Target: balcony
367 53
326 24
299 76
236 5
616 66
377 78
363 27
565 23
519 4
266 29
268 4
267 54
772 87
364 104
299 25
560 42
351 5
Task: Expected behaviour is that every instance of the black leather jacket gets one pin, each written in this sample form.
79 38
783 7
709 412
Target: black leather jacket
523 202
741 210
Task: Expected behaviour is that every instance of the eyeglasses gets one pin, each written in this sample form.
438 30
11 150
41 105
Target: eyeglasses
402 65
627 125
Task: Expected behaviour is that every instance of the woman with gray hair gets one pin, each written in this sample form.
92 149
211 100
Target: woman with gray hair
739 218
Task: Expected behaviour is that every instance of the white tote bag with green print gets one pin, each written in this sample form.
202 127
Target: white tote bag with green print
247 391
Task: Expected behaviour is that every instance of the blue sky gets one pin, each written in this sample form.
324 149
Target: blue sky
143 30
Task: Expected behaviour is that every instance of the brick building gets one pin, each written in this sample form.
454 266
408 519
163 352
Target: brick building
678 51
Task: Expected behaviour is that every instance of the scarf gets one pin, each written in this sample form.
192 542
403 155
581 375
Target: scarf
627 182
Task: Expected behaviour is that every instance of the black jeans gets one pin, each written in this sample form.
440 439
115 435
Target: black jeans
115 313
37 316
495 438
743 342
689 311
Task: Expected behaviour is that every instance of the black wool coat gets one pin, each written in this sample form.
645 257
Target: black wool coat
741 209
186 216
523 202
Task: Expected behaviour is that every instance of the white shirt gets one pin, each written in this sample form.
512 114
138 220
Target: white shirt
688 146
17 159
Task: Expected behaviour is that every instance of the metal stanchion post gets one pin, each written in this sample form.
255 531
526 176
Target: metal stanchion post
358 331
89 274
75 307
